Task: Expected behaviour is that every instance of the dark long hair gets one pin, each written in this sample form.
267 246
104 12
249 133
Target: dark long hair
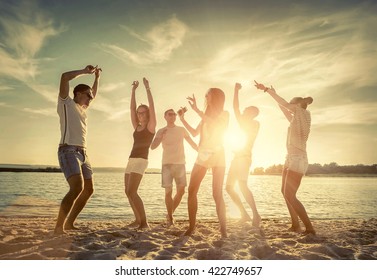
142 106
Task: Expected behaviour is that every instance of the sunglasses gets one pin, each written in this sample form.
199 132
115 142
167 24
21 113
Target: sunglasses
172 114
88 94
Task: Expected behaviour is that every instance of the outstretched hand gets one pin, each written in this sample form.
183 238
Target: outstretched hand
146 83
237 86
262 86
259 86
135 84
97 71
192 102
89 69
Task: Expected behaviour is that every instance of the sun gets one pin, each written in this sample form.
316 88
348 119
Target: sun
234 139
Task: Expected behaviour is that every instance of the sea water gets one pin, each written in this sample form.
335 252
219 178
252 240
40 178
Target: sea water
40 194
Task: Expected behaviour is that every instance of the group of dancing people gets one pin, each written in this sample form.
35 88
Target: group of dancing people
213 124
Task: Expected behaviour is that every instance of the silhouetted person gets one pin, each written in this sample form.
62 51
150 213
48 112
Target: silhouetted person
212 127
296 162
240 166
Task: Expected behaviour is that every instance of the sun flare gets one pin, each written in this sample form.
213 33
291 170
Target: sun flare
234 139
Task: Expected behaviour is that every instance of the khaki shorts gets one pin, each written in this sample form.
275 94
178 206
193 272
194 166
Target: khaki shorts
211 158
296 163
136 165
239 170
173 171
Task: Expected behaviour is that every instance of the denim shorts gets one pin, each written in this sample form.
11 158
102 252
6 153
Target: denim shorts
173 171
73 160
296 163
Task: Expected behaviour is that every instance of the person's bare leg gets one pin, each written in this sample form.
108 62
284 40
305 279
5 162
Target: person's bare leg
135 223
236 199
79 204
134 183
173 203
248 195
178 197
169 205
294 217
217 192
293 182
75 183
197 174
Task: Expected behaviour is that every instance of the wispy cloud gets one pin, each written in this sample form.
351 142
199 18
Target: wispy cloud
111 87
25 29
160 43
351 114
4 88
306 53
49 112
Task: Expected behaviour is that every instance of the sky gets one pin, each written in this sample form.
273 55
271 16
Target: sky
323 49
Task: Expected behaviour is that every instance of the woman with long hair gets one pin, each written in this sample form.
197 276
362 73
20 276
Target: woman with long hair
143 119
213 124
296 162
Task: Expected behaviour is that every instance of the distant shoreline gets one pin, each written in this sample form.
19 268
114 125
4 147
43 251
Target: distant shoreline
157 171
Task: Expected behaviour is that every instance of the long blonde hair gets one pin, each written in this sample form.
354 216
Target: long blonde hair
217 102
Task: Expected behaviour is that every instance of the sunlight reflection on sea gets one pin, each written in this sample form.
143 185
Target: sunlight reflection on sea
39 194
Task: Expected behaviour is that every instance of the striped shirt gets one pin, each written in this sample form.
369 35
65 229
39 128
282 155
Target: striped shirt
298 131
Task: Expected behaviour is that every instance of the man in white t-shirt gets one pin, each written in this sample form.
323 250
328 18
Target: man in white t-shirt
73 159
173 161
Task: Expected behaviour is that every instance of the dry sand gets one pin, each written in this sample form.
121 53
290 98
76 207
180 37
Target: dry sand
32 238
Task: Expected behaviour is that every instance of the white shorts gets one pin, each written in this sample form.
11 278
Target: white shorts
136 165
211 158
297 163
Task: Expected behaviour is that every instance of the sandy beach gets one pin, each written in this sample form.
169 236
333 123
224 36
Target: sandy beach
28 238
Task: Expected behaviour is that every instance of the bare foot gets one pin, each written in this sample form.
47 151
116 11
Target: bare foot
169 221
295 229
244 219
224 234
59 231
256 221
133 224
309 231
70 227
144 226
189 232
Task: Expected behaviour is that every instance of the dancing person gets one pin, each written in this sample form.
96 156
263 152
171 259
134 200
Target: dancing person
213 124
143 119
173 161
73 159
239 168
296 162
